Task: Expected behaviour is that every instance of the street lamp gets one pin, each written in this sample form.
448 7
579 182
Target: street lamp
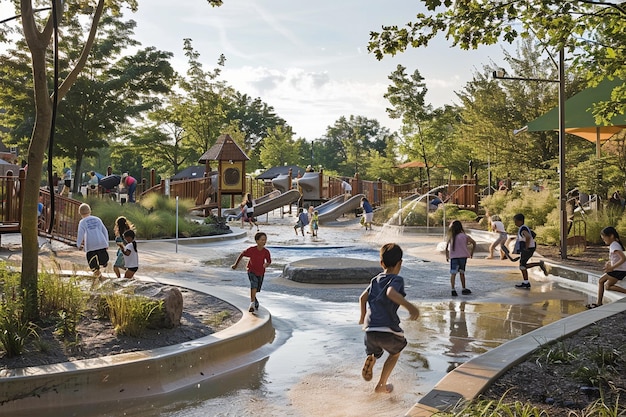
500 73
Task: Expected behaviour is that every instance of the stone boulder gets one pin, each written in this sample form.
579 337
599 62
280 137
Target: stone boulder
332 271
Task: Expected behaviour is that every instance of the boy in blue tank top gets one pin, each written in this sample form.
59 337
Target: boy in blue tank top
379 312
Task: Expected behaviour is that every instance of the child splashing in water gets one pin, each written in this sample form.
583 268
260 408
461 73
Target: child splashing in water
379 312
457 253
131 257
615 267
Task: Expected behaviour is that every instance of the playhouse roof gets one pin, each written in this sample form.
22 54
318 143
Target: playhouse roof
276 171
225 149
196 171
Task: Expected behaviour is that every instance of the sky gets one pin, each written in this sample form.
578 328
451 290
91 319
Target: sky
308 60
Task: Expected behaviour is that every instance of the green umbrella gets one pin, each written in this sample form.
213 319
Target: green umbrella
579 119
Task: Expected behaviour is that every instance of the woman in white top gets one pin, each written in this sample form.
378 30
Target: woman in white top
498 227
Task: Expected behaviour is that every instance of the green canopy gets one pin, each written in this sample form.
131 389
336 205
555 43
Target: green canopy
579 119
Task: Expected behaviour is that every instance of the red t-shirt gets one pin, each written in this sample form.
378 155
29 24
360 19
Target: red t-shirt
257 259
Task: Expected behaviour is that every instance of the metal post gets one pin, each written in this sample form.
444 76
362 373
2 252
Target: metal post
562 183
176 224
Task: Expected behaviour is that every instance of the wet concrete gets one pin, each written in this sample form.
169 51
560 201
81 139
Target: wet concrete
315 363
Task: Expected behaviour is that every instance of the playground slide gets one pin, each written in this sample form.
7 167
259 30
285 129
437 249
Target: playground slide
284 199
332 209
268 202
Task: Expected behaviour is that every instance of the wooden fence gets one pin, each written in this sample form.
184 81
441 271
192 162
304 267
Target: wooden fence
460 192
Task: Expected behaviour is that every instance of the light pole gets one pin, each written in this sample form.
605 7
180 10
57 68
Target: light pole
501 74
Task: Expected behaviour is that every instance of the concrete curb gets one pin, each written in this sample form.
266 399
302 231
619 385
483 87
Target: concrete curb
141 374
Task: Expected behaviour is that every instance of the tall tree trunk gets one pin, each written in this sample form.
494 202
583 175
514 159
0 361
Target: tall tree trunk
38 43
36 152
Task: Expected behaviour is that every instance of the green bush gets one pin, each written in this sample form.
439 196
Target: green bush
154 217
451 212
14 330
58 294
131 315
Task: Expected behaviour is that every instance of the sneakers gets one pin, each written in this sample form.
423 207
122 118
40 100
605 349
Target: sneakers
524 285
251 309
466 291
454 294
542 265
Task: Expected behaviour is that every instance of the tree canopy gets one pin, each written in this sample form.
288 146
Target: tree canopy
592 32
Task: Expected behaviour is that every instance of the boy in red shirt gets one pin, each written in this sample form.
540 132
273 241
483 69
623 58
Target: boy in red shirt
259 259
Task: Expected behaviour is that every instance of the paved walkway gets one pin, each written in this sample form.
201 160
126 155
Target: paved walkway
183 260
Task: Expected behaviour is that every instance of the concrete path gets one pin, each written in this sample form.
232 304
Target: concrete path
317 349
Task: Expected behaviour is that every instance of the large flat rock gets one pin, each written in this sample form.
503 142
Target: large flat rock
332 271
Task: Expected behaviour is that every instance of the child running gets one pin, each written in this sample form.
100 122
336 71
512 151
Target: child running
457 253
614 268
498 227
121 225
379 312
525 245
303 220
259 260
93 236
131 257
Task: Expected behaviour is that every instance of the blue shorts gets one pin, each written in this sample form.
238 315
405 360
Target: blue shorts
377 342
457 265
255 281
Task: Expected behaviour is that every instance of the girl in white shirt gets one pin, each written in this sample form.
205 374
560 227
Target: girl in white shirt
615 267
131 258
498 227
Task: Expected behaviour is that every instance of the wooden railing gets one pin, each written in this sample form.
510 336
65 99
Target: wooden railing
66 218
460 192
12 194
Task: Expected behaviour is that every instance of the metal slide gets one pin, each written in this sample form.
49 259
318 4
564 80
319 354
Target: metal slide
334 208
267 203
284 199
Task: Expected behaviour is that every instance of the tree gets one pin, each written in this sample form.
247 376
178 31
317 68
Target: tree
254 117
427 133
38 38
346 145
206 102
594 30
279 148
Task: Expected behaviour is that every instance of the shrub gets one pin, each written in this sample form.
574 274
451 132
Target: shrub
131 315
14 330
57 294
154 217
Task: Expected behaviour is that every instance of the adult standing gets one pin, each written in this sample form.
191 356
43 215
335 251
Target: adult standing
131 185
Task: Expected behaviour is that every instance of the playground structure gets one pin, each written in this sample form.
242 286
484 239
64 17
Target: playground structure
312 188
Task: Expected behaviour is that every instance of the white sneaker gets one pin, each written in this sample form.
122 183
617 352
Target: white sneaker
251 309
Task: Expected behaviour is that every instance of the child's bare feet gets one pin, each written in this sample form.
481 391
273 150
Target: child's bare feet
368 367
386 389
